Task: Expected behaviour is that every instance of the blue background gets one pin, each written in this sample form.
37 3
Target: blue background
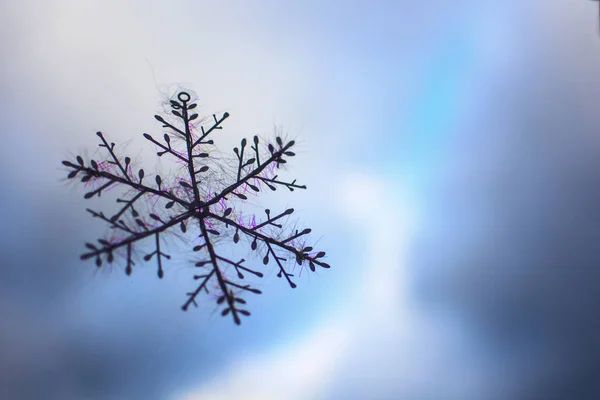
452 158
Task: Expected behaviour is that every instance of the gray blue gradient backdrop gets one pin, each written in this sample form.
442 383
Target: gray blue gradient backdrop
452 155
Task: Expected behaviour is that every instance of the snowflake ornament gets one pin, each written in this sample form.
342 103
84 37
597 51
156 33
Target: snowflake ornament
201 203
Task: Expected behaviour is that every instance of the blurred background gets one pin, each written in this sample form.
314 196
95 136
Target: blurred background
451 151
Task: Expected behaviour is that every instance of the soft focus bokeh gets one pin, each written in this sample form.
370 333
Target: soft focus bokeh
451 151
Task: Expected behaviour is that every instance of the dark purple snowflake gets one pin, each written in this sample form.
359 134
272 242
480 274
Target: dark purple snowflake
200 202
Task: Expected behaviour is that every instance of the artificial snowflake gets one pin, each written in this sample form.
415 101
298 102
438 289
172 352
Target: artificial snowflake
199 198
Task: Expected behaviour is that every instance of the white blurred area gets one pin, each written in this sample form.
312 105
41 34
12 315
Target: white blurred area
380 309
